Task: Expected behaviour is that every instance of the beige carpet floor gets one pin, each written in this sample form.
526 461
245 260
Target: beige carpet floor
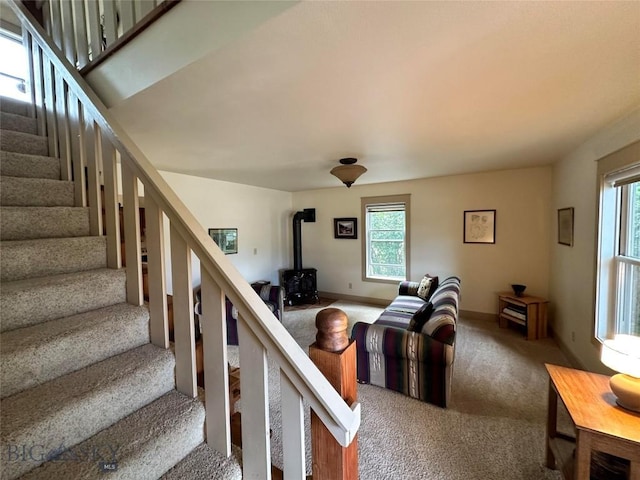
493 430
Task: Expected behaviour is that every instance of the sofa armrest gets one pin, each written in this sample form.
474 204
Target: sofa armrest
397 343
273 294
408 288
408 362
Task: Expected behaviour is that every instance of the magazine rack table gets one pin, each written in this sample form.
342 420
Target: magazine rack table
600 424
534 313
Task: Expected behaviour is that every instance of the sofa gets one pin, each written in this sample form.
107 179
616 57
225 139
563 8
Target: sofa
410 348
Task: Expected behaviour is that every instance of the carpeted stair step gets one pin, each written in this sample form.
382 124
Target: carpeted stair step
35 192
20 142
72 408
203 463
14 164
24 223
35 300
11 105
144 445
34 355
18 123
20 259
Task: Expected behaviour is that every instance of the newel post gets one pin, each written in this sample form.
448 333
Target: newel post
335 357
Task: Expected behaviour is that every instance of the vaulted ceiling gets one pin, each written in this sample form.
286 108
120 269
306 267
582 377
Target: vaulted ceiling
412 89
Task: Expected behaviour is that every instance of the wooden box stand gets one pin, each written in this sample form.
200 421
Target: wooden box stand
536 316
330 460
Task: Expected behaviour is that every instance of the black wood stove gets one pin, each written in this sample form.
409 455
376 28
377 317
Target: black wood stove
300 284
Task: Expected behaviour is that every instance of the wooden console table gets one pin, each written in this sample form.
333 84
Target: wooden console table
600 424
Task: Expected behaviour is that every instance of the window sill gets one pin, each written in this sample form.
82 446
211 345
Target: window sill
393 281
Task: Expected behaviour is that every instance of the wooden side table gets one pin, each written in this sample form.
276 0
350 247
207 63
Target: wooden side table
600 424
535 318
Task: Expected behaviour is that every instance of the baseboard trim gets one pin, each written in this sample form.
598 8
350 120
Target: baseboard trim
471 315
383 302
575 362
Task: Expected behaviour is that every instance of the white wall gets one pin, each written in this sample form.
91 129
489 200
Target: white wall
195 29
260 215
572 292
521 197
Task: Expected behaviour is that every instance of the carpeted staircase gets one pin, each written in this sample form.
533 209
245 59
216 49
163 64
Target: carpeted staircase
83 392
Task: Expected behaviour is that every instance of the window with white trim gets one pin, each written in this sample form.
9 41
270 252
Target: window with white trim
386 238
14 69
618 277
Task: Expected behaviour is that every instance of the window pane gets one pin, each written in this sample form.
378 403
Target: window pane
397 235
391 253
628 315
634 220
386 221
387 271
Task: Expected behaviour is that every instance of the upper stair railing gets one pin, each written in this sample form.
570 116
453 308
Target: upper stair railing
89 31
89 141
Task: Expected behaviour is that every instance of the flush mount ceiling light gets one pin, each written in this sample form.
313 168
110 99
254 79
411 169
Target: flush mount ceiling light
348 172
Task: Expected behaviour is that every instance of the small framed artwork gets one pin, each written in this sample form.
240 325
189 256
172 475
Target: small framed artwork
479 226
565 226
345 227
226 239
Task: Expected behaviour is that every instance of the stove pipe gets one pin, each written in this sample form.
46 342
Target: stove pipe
306 215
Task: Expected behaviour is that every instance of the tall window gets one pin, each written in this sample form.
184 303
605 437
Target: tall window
386 239
618 282
13 67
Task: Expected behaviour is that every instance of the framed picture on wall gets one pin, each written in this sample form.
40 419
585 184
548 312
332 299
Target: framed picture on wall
226 239
479 226
565 226
345 228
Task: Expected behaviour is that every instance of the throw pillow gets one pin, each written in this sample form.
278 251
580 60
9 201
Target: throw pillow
424 287
427 286
420 317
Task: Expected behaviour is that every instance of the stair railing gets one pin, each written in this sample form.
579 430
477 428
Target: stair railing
91 144
88 31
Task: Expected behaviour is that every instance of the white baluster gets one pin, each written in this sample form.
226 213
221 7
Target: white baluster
68 34
80 27
214 348
49 100
110 27
143 7
76 139
29 81
62 122
112 213
293 447
92 154
38 88
184 333
132 245
127 16
95 32
56 23
159 324
256 447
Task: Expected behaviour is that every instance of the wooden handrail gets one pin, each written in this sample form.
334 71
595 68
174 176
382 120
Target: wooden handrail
342 420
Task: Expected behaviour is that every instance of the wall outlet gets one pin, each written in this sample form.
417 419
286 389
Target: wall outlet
573 336
350 286
255 251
